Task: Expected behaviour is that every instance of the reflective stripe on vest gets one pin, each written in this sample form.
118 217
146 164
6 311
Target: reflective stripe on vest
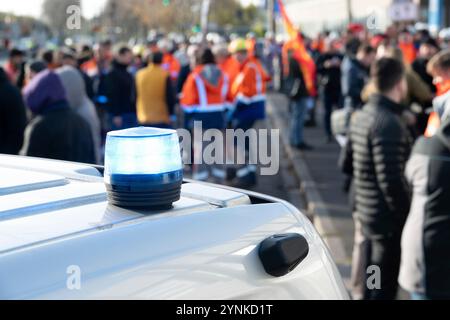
203 98
225 87
259 82
260 96
246 100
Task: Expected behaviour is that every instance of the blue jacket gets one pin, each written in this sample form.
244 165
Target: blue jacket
354 79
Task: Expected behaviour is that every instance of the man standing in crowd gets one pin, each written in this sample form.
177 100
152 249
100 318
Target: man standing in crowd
299 97
419 95
329 70
249 93
376 156
355 72
155 94
427 50
120 91
426 241
15 67
97 68
13 119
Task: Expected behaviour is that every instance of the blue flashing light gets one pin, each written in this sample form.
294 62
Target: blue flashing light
143 167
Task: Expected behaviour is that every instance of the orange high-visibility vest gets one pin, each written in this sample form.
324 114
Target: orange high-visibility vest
250 85
199 95
231 68
171 65
409 52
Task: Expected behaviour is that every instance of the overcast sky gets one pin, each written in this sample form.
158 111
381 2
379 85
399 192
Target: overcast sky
33 7
90 9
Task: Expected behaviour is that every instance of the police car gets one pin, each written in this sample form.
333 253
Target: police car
73 231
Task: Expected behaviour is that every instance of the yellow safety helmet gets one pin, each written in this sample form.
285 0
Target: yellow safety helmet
139 50
237 45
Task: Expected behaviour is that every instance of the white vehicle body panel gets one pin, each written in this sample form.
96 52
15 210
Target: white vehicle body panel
204 248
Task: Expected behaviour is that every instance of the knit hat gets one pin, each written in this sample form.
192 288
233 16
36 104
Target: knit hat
44 91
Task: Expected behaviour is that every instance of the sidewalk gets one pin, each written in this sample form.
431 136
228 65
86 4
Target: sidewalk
321 184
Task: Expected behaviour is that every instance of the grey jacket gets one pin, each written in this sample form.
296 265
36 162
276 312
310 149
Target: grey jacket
425 264
78 100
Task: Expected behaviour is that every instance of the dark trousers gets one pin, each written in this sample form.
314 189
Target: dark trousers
385 254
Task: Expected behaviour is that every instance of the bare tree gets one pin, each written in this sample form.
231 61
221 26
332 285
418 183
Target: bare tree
134 17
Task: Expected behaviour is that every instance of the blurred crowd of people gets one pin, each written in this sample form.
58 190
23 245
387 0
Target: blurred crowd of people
61 103
385 98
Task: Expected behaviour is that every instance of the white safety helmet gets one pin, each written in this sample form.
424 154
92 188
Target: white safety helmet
165 45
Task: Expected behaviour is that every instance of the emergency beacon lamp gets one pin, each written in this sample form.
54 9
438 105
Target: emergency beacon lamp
143 168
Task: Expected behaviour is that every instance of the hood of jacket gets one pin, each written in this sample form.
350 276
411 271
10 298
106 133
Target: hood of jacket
211 74
45 92
74 85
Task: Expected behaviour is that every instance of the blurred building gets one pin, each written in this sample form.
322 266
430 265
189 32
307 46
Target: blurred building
436 13
314 16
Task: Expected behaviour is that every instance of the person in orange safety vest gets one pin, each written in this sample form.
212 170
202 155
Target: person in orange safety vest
170 63
204 101
406 44
228 64
249 93
249 87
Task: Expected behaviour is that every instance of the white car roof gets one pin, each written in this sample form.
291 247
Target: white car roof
55 215
43 200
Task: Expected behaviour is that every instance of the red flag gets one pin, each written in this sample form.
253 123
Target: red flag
297 45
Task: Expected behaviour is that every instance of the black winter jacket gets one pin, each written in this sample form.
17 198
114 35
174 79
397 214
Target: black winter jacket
59 134
330 78
297 88
120 90
13 119
376 155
